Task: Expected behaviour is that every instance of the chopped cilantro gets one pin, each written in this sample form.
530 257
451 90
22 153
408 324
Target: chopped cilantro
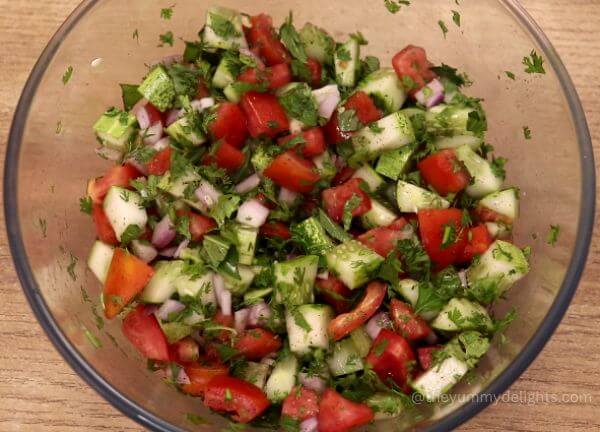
67 75
456 17
166 39
348 121
300 320
333 229
527 132
534 63
85 205
510 74
448 237
451 74
442 25
226 205
130 95
394 5
132 232
552 237
291 39
369 65
476 122
136 35
223 27
497 165
166 13
350 205
300 104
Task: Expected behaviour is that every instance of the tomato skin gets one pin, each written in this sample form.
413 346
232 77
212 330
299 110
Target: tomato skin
292 172
366 111
391 357
104 229
334 292
425 356
256 343
398 224
200 376
233 395
266 116
200 225
262 36
225 321
412 62
302 403
230 124
127 277
229 157
335 198
275 230
344 324
203 91
406 322
479 240
185 351
276 76
143 331
381 240
314 142
444 172
338 414
343 176
116 176
160 162
431 229
316 71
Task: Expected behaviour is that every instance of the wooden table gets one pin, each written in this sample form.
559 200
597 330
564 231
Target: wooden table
40 392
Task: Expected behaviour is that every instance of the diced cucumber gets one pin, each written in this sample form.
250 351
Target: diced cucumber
255 373
307 327
362 341
99 259
409 290
498 229
345 358
385 86
325 166
449 119
496 271
317 43
311 235
216 248
224 29
378 216
175 331
370 177
389 133
282 379
246 242
413 198
256 295
223 74
386 405
199 287
183 133
455 141
393 163
115 128
163 283
158 88
347 60
485 181
295 279
440 378
233 93
504 203
462 314
353 263
410 112
241 285
124 208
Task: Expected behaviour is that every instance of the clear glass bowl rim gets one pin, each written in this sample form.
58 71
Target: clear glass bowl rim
155 423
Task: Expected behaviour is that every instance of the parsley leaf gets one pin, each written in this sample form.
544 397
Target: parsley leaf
416 261
442 25
166 39
291 39
300 104
196 419
348 121
225 207
477 122
132 232
166 13
369 65
67 75
497 166
85 205
184 79
300 320
333 229
451 74
394 5
456 17
130 95
535 64
510 74
552 237
527 132
349 206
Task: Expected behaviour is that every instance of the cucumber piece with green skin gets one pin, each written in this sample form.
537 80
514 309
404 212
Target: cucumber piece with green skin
307 327
353 263
499 230
412 199
346 60
344 358
158 88
325 166
409 290
412 111
370 177
378 216
462 314
505 203
232 93
389 133
311 235
439 379
295 279
362 341
163 283
386 405
283 379
115 129
175 331
241 285
455 141
255 373
199 287
384 85
317 43
496 271
393 163
449 119
485 181
256 295
124 208
224 29
99 259
223 76
183 133
183 187
246 242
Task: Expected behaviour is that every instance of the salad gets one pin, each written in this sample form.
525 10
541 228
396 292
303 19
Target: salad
295 232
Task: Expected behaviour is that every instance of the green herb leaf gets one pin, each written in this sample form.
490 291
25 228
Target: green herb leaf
416 261
497 166
394 5
360 38
166 39
349 206
477 122
348 121
452 75
223 27
85 205
136 35
448 237
552 237
534 63
527 132
225 207
166 13
67 75
300 104
300 320
132 232
130 95
456 17
442 25
196 419
291 39
510 74
333 229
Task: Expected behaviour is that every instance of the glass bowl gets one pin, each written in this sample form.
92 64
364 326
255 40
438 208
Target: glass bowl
51 154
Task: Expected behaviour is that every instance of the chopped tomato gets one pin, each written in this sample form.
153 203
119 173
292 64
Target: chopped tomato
444 172
381 240
406 322
254 344
160 162
292 172
344 324
275 230
262 36
425 355
398 224
335 199
338 414
116 176
228 157
479 240
411 64
230 124
200 375
143 331
335 293
442 234
312 144
104 229
127 277
224 321
366 112
316 72
275 76
200 225
266 117
301 404
343 176
391 357
185 351
236 396
203 91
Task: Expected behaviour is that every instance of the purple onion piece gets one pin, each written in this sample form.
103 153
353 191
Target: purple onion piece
377 323
169 307
309 425
164 233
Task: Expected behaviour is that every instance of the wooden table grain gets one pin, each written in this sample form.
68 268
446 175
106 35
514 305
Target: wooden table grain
39 391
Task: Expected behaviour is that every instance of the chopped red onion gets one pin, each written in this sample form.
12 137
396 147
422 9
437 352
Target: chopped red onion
431 95
259 313
180 248
202 104
240 319
169 307
164 233
207 195
377 323
252 213
339 162
327 98
287 196
162 144
310 425
109 154
168 252
313 382
138 106
323 275
152 134
223 294
248 184
182 377
144 251
173 115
